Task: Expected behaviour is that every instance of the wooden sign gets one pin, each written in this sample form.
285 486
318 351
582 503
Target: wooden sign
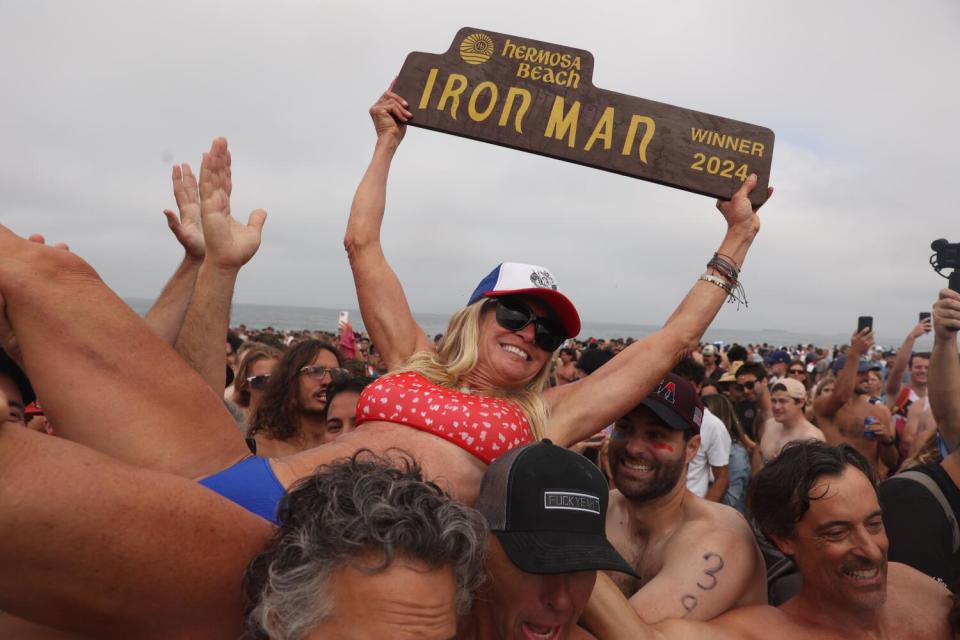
539 97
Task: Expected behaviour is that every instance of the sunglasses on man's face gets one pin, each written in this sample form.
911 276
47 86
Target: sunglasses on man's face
797 372
514 315
259 382
748 385
317 373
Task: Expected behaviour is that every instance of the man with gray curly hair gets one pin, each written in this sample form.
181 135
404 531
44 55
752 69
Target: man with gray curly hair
366 549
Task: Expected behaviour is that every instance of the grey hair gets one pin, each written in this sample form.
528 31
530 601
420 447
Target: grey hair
345 510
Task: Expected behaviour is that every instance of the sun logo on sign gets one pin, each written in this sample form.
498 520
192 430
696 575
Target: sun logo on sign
476 48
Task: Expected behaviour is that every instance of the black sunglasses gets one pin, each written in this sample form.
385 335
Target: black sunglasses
259 382
746 385
514 315
798 371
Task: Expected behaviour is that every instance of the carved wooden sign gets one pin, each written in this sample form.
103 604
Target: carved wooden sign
539 97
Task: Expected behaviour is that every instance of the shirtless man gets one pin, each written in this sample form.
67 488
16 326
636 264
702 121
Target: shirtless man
850 591
842 415
787 397
909 404
694 558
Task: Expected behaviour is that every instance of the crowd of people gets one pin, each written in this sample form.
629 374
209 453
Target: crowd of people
502 481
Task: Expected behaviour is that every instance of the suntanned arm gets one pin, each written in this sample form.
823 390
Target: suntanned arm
229 245
609 616
829 405
721 481
167 313
707 569
944 384
383 304
895 375
580 409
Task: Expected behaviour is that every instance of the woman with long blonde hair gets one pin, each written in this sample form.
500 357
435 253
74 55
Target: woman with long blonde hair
483 390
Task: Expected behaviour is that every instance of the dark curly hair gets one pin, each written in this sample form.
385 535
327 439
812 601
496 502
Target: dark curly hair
344 510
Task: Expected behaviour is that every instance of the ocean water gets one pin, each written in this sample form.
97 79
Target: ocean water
288 317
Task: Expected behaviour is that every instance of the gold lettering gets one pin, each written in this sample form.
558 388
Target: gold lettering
554 59
428 88
560 124
543 57
548 75
453 93
525 100
757 149
574 79
509 49
603 130
744 146
649 128
535 73
576 63
698 135
521 52
565 61
480 116
523 70
731 143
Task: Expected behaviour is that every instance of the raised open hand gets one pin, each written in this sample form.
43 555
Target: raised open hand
229 243
187 227
738 210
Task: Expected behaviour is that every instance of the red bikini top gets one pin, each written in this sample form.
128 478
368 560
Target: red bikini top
485 426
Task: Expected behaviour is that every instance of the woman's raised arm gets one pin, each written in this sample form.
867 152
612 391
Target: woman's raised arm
383 304
579 410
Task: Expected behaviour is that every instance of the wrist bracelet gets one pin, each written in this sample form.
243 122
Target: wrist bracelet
720 282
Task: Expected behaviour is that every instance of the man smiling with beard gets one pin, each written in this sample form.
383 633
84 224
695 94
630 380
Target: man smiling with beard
695 558
818 503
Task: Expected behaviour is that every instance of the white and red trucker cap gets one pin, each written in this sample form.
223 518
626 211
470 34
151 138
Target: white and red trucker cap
516 278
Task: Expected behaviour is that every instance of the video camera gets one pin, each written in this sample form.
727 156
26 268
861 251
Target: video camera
947 256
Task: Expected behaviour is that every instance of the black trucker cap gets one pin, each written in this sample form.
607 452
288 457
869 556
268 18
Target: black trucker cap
548 507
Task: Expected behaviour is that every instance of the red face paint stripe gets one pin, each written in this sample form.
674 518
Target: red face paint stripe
662 446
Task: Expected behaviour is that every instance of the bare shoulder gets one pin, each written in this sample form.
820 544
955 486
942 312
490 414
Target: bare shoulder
916 597
705 516
718 528
906 581
814 433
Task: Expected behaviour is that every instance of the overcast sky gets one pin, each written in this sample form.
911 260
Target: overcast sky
99 98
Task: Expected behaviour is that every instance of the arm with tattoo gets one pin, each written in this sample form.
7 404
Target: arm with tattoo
707 569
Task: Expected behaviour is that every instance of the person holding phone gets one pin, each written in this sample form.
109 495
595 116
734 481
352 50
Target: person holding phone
902 398
847 416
